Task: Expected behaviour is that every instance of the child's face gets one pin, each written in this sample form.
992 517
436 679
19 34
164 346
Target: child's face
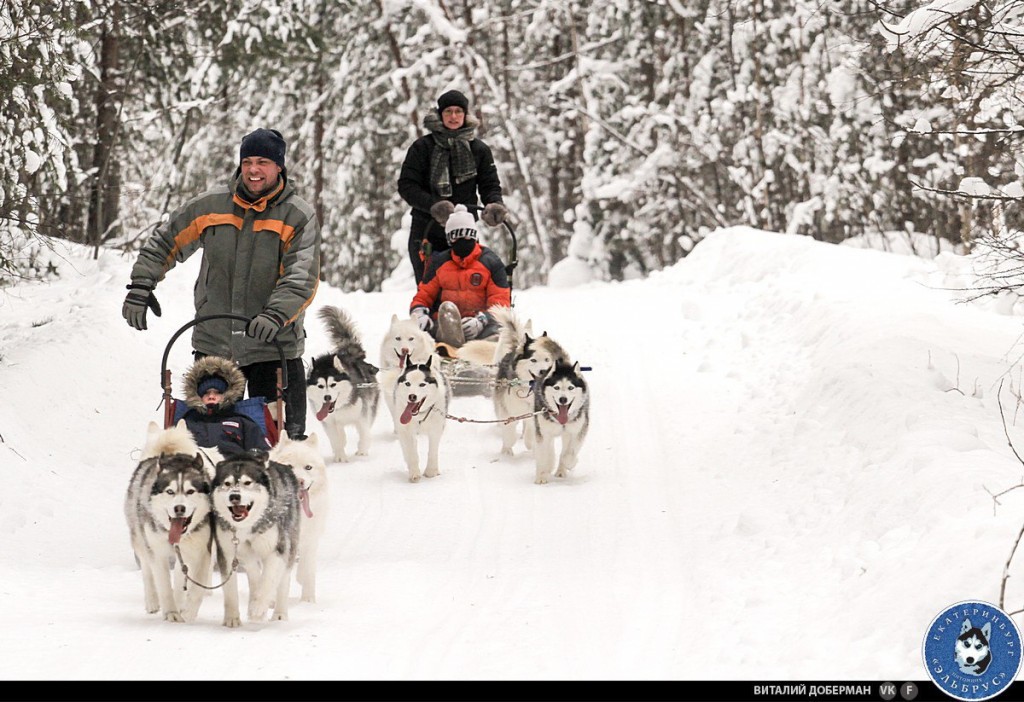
212 396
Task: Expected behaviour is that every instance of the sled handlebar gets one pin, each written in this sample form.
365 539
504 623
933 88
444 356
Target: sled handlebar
225 315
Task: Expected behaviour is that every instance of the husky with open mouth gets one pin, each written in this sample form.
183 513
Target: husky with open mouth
403 342
562 406
522 360
306 462
168 509
421 396
257 521
342 385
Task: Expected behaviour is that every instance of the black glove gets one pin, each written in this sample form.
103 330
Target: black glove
422 317
265 326
441 211
140 298
494 214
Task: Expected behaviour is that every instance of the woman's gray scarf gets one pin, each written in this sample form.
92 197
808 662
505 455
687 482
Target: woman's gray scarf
450 146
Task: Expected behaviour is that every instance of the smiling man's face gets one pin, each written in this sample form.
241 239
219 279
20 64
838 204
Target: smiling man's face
259 174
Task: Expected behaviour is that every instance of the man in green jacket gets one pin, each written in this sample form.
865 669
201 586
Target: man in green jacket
261 260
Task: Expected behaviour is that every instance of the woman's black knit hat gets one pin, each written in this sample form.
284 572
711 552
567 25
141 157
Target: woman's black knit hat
453 98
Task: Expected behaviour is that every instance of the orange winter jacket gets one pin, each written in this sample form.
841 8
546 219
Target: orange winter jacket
473 283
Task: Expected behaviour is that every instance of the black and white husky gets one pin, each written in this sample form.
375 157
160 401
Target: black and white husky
972 650
304 458
522 360
422 392
562 406
256 514
403 342
168 511
342 385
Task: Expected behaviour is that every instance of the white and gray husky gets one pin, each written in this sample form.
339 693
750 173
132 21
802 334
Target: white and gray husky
522 360
342 385
168 510
422 391
306 462
256 517
562 406
403 342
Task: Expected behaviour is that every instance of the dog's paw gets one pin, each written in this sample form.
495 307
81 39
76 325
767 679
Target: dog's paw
173 617
414 478
541 480
431 473
561 473
232 622
257 614
308 598
363 452
341 459
506 450
279 616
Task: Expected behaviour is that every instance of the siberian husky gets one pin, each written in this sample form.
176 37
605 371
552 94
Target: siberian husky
404 341
422 391
521 360
256 515
562 410
342 386
972 650
305 460
167 507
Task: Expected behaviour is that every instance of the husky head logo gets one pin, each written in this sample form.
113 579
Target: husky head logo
973 654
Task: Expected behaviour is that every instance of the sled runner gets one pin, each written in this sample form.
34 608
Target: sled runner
255 408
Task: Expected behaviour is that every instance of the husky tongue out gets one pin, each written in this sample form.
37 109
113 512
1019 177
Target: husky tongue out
177 528
304 501
239 511
563 413
327 408
410 409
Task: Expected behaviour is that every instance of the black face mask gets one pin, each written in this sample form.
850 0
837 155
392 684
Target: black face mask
463 247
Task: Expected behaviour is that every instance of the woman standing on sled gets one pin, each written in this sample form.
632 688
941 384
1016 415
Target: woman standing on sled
445 168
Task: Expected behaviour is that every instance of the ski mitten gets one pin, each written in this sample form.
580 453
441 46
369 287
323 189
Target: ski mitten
139 299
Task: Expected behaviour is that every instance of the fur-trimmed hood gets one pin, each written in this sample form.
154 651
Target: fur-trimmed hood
213 365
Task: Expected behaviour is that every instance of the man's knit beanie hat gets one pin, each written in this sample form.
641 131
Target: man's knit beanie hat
267 143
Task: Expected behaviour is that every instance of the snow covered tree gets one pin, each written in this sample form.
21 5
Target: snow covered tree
38 66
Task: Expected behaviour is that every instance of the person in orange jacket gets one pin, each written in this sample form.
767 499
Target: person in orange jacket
461 283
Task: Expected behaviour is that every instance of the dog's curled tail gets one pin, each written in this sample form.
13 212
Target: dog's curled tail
512 332
342 331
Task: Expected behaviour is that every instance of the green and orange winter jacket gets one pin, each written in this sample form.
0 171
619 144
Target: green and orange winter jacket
257 256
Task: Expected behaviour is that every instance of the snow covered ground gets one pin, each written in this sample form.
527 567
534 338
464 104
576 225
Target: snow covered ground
787 477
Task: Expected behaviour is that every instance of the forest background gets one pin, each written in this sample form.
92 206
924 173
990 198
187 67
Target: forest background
625 131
